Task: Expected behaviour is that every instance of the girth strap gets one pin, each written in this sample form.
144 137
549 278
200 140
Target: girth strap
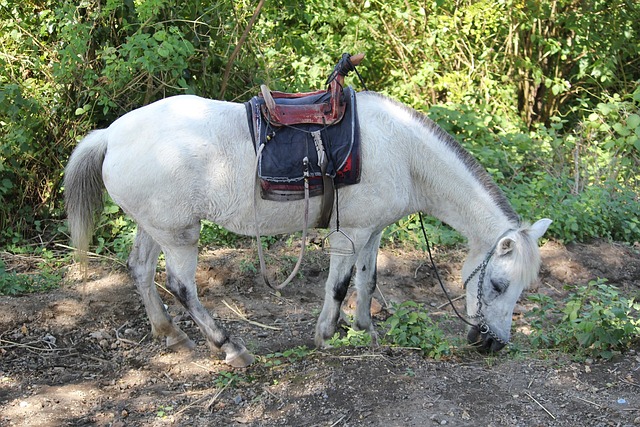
327 182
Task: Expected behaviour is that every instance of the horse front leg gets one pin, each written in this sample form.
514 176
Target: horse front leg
365 283
142 267
340 271
181 269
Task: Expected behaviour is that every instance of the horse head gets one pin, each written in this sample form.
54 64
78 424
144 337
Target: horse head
494 281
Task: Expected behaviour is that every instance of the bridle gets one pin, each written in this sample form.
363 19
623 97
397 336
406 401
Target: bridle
480 270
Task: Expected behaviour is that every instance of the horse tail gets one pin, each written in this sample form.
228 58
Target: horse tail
83 189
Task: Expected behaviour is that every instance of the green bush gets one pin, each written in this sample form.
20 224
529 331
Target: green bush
594 320
411 326
12 283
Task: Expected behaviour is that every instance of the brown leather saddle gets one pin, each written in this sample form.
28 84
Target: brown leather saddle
274 114
296 110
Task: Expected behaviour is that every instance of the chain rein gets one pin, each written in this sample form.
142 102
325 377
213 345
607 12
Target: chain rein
482 269
482 323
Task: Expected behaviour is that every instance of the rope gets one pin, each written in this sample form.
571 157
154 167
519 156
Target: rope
263 267
435 269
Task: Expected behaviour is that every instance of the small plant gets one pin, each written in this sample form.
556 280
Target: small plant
12 283
595 321
225 379
353 338
248 266
164 411
411 326
288 356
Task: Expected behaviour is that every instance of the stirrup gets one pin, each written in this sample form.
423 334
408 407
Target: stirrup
326 246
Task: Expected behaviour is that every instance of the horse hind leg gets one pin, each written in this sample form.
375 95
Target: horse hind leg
181 268
142 267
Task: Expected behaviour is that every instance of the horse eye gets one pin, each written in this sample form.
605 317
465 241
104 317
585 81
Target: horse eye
499 285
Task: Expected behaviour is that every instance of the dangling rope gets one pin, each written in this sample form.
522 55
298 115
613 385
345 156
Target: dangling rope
263 267
435 269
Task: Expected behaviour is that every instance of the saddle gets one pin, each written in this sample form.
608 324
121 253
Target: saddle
307 144
307 139
299 108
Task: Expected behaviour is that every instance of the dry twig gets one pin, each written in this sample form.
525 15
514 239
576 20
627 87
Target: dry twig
237 312
539 404
441 306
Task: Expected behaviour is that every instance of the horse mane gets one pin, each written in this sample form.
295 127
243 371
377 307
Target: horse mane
474 167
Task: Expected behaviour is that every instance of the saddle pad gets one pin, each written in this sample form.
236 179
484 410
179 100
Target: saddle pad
281 169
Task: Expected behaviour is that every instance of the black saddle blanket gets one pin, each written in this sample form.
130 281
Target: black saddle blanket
281 167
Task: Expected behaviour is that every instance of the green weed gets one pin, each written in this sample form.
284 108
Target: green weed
594 321
164 411
288 356
353 338
411 326
12 283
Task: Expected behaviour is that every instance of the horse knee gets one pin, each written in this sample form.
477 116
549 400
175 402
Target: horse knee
181 291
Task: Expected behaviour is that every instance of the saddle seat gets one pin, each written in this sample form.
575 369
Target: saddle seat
282 108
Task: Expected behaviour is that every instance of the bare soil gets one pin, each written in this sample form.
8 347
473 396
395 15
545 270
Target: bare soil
82 354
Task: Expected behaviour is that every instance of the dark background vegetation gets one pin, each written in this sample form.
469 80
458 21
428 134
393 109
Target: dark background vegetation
544 93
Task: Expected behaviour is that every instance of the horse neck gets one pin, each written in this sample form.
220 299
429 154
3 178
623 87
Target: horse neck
453 187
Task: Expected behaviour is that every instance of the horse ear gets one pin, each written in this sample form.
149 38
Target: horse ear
538 229
505 245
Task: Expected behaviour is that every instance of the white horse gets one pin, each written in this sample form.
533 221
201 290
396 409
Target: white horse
183 159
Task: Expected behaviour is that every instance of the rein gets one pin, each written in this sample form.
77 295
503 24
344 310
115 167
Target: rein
305 226
481 269
435 269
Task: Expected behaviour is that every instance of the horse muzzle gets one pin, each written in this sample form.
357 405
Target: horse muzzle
486 342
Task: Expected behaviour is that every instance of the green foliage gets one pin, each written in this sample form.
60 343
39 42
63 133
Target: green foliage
291 355
12 283
408 231
164 411
411 326
226 378
544 94
213 234
115 232
352 338
595 320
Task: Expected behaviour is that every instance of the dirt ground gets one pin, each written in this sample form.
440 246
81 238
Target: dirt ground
82 355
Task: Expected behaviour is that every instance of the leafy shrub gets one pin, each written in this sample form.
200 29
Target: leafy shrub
12 283
411 326
213 234
595 320
352 338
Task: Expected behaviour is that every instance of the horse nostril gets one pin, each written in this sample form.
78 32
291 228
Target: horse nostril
496 346
474 337
481 338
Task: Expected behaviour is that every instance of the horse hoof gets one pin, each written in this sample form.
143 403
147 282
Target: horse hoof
180 343
375 342
241 360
